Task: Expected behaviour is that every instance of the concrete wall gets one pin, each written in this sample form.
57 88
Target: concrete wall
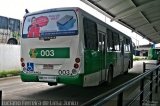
9 57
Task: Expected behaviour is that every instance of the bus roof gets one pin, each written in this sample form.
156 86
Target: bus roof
52 9
75 8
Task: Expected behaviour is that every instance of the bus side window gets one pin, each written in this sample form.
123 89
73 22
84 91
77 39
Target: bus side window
109 40
4 23
101 41
116 41
127 45
90 34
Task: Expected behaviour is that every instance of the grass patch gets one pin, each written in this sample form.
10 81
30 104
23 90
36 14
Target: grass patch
8 73
137 58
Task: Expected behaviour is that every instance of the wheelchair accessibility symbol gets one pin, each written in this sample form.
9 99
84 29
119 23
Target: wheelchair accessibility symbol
30 66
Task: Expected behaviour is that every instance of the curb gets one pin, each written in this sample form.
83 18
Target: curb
8 78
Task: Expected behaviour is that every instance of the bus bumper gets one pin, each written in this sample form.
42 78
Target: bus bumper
70 80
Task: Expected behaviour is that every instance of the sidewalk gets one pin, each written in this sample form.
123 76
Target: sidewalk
9 78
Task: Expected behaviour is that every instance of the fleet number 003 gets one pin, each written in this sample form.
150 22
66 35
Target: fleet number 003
47 53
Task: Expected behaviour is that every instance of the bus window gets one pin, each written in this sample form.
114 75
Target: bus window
101 41
110 40
14 25
116 41
90 34
4 23
127 45
0 22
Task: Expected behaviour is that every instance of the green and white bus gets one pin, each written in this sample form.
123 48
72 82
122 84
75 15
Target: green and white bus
10 29
70 46
154 53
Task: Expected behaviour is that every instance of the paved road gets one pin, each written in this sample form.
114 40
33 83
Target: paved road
138 66
14 89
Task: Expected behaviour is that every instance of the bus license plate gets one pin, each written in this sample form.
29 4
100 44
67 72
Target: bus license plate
48 78
48 66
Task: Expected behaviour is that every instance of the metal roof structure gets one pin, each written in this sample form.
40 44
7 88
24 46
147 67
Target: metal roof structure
140 16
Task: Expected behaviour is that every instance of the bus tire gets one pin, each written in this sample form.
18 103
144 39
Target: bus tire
126 72
12 41
110 74
52 83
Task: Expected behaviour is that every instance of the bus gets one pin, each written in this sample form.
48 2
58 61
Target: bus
154 53
9 30
70 46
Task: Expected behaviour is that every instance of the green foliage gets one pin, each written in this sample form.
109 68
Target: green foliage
137 58
7 73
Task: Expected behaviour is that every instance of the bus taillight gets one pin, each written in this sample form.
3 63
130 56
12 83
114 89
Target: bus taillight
77 60
22 59
76 65
23 64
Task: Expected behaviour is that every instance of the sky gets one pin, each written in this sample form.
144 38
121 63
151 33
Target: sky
16 9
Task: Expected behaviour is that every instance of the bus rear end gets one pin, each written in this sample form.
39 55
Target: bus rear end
50 50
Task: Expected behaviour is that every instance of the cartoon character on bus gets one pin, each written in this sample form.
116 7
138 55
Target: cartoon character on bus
36 24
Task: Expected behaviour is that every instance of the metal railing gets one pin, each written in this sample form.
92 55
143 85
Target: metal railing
0 97
151 75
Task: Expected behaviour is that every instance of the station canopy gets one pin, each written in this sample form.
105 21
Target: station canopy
140 16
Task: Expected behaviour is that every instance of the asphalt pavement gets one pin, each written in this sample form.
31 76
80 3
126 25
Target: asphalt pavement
15 89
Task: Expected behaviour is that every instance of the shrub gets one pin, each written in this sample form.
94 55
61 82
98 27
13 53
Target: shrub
7 73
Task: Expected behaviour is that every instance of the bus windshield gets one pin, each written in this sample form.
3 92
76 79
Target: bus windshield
50 24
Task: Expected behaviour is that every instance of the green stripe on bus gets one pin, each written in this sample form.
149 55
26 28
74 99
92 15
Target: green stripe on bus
28 77
71 80
95 60
50 53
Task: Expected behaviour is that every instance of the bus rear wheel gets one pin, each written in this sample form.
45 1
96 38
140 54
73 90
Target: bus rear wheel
110 74
126 72
52 83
